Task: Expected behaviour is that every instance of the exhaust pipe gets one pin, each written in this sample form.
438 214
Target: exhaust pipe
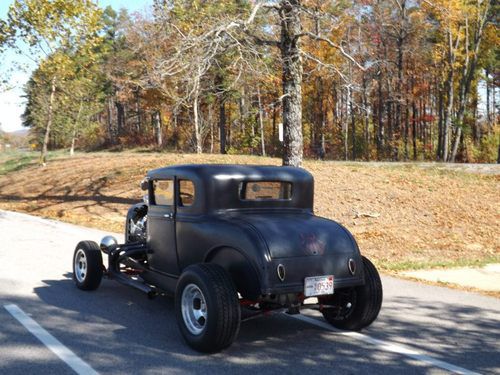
121 254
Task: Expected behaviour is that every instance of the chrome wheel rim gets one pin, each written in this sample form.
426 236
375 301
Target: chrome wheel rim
194 309
348 301
80 266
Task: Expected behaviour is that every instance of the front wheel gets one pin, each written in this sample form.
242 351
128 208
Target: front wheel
207 308
87 265
355 308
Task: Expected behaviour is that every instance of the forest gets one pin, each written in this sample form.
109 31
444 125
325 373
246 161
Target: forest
388 80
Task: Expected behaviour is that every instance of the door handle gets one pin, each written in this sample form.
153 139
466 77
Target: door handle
168 216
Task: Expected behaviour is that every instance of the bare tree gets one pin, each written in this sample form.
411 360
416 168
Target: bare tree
190 55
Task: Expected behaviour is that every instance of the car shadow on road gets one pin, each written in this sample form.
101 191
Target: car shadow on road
461 334
117 329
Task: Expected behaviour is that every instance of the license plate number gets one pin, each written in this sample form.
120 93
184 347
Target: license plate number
318 285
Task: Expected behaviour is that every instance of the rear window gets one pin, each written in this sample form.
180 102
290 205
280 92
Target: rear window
265 190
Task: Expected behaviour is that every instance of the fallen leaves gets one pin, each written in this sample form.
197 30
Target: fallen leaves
373 215
398 214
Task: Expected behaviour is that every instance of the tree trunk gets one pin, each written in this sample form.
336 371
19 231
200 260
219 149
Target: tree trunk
458 137
211 122
43 155
175 135
275 132
157 123
406 130
476 126
493 108
469 68
346 125
400 43
292 82
439 153
222 126
243 110
498 153
197 132
447 115
322 149
468 71
449 100
353 124
120 118
310 111
228 128
367 120
261 124
74 131
390 128
488 98
138 111
73 141
399 89
111 127
414 129
321 119
380 118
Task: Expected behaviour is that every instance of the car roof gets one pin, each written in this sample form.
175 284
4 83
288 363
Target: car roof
217 185
232 171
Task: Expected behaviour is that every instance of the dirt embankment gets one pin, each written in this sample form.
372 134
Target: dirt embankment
403 216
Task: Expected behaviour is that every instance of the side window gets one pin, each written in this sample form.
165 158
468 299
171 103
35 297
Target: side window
186 193
163 191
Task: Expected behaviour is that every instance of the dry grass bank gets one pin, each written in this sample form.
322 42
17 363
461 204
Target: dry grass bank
403 216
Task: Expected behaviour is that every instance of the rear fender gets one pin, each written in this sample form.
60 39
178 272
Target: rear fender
242 271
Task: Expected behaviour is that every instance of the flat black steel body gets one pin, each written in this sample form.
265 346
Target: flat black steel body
251 239
233 242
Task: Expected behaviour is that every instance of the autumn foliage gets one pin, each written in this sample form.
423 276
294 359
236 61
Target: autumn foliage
373 79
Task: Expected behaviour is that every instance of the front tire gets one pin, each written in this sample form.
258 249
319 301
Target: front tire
87 265
356 308
207 308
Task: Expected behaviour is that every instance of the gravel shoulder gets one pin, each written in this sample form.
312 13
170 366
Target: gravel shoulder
486 278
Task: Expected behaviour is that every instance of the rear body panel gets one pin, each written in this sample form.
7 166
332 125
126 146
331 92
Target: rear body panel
306 245
297 234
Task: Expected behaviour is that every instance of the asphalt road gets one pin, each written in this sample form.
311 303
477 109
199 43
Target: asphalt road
421 328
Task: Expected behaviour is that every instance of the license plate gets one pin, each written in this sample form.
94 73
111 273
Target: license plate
318 285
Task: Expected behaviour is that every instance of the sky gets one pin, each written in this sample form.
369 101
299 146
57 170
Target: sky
11 101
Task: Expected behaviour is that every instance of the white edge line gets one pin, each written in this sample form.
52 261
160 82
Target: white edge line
80 367
388 346
53 344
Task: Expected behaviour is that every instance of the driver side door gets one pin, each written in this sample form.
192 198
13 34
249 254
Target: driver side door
162 255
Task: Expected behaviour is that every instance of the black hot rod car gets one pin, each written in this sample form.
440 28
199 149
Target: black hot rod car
231 242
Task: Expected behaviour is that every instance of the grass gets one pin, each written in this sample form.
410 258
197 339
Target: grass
16 160
408 265
13 161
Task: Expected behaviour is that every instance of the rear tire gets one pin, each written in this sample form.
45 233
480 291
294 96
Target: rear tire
87 265
356 308
207 308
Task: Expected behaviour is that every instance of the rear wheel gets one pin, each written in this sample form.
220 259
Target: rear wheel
207 308
87 265
355 308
